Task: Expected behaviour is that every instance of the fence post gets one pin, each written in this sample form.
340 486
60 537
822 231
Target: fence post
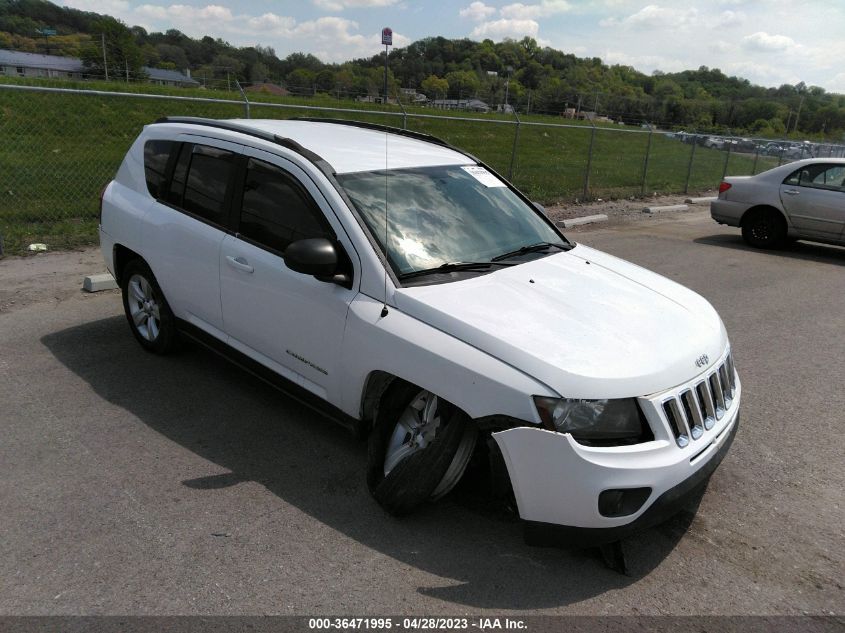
645 163
404 114
589 162
689 167
727 159
243 94
513 149
756 156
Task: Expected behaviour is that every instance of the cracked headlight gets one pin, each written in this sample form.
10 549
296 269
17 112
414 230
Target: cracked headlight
595 422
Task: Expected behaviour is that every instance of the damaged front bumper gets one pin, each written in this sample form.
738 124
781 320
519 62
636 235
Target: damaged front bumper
559 484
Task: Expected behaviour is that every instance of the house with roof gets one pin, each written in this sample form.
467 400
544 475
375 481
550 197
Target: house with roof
21 64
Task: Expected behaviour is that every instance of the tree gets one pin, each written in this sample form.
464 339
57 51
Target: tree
122 53
301 81
324 80
258 72
435 87
462 83
172 54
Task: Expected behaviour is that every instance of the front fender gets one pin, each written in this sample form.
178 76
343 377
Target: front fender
432 359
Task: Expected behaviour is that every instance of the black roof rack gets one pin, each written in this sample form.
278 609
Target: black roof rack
289 143
420 136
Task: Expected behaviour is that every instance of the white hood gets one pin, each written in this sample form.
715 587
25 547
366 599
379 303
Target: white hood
586 324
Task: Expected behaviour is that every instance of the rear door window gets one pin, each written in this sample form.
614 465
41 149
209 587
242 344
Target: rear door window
209 178
818 176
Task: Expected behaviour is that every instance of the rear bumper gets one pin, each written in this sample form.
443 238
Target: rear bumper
727 211
665 506
107 250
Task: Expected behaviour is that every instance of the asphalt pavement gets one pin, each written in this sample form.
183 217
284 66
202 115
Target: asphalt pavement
135 484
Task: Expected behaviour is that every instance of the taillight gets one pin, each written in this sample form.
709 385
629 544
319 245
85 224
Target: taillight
724 186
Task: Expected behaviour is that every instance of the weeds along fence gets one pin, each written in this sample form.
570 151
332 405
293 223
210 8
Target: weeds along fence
59 147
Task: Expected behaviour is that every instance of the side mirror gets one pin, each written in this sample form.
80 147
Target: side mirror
315 256
540 208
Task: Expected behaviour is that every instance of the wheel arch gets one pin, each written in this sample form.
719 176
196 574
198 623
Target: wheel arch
121 256
768 208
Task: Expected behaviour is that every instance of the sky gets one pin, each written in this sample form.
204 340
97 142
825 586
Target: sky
769 42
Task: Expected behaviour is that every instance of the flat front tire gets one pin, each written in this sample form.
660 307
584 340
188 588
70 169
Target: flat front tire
419 448
149 316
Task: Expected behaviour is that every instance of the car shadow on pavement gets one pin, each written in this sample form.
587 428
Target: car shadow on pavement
809 251
227 416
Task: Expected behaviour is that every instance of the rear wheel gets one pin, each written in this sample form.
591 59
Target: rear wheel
764 228
150 318
419 448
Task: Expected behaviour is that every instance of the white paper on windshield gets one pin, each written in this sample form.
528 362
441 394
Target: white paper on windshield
483 176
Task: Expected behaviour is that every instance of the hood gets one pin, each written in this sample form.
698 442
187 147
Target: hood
584 323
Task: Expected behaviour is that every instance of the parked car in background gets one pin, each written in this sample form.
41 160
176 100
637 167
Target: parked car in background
400 286
800 200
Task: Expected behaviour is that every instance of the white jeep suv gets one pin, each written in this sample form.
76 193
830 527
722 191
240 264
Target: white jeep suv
401 287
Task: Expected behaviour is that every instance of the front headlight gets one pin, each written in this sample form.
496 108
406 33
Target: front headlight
595 422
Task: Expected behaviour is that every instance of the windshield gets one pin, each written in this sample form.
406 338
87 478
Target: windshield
444 215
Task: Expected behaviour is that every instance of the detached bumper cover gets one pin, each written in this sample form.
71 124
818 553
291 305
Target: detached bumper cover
664 507
558 481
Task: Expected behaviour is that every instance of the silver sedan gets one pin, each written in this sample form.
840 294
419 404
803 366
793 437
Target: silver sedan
800 200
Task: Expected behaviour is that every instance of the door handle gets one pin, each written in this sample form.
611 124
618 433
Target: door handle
240 263
791 192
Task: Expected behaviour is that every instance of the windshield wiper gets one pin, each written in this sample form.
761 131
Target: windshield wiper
531 248
451 266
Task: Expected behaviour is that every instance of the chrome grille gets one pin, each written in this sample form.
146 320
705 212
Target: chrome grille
696 409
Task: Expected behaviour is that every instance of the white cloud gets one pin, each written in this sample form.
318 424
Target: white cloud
331 38
182 13
653 16
720 46
644 63
519 11
477 11
340 5
728 19
109 7
764 74
500 29
763 42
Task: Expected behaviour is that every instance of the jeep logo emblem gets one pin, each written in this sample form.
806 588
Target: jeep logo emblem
702 360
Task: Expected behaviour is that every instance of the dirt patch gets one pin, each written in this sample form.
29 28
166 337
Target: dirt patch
50 277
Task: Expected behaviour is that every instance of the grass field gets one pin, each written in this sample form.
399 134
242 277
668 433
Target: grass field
58 150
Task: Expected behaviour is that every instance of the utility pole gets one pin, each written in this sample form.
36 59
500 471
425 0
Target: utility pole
798 114
508 85
126 61
105 62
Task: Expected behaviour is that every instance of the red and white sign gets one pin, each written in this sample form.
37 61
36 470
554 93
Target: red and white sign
387 36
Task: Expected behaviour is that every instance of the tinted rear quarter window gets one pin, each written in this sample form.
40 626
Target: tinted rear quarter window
156 157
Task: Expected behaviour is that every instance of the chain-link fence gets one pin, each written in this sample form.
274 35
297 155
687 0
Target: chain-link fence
61 146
